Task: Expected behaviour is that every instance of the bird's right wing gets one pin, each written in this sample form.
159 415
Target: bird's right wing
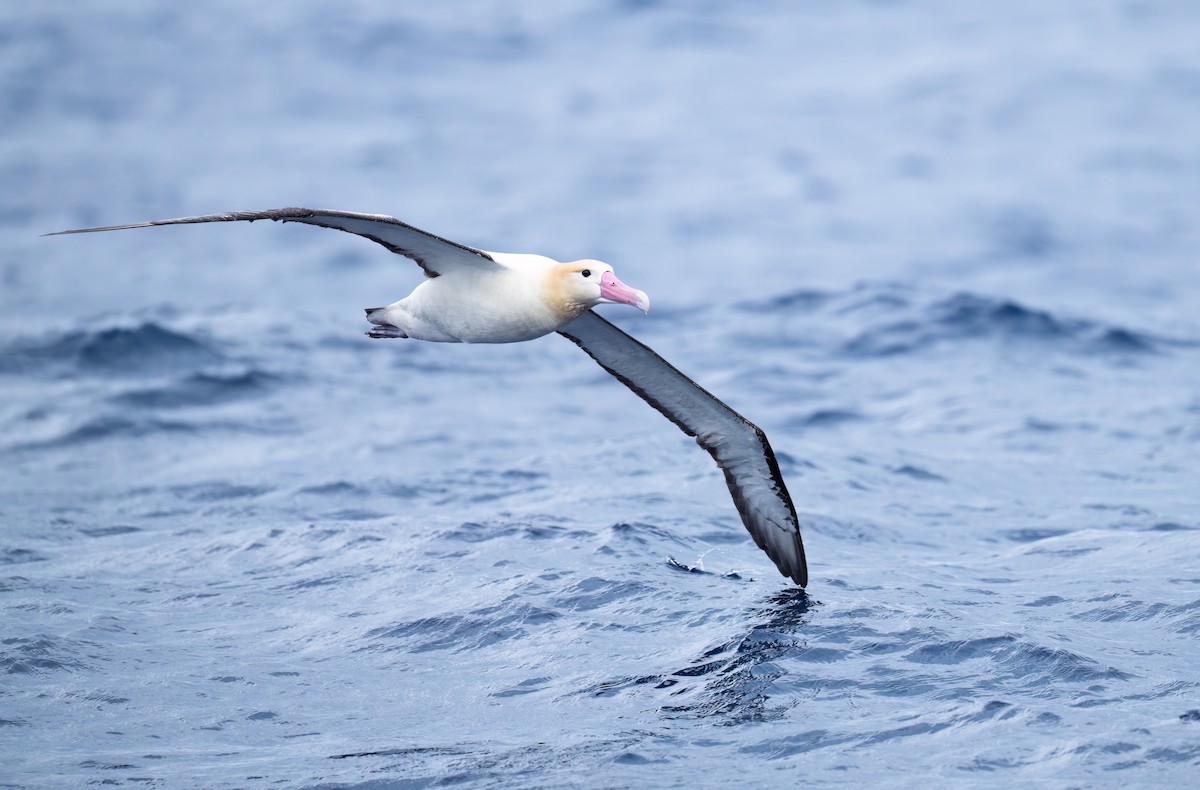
432 253
739 447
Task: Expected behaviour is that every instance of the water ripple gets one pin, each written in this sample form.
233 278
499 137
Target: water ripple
125 350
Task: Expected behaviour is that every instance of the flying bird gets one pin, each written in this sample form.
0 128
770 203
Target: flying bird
473 296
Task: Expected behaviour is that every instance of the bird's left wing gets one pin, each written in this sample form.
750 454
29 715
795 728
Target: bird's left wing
739 447
432 253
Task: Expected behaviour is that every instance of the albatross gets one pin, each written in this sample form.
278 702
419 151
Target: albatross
474 296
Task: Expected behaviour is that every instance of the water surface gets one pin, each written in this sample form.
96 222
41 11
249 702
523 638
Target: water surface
944 256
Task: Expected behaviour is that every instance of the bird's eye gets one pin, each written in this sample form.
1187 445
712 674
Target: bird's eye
586 272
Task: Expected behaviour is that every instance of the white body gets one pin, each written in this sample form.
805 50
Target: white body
503 304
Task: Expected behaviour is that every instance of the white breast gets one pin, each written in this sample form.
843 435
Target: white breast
501 305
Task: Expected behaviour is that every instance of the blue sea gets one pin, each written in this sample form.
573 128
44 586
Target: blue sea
947 255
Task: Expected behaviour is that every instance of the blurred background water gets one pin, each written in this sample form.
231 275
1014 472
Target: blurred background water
945 254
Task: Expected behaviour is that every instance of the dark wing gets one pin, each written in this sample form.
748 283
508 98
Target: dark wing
739 447
432 253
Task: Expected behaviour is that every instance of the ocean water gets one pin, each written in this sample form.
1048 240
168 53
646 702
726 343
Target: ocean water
944 254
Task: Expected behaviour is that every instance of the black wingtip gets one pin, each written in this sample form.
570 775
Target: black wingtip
77 230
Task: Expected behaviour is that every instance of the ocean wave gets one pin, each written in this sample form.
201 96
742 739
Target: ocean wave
526 528
1016 659
112 427
107 427
41 654
888 319
478 628
967 317
200 389
145 347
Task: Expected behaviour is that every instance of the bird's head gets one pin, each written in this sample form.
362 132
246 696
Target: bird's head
587 283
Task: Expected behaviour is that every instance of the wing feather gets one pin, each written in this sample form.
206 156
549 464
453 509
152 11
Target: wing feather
432 253
739 447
